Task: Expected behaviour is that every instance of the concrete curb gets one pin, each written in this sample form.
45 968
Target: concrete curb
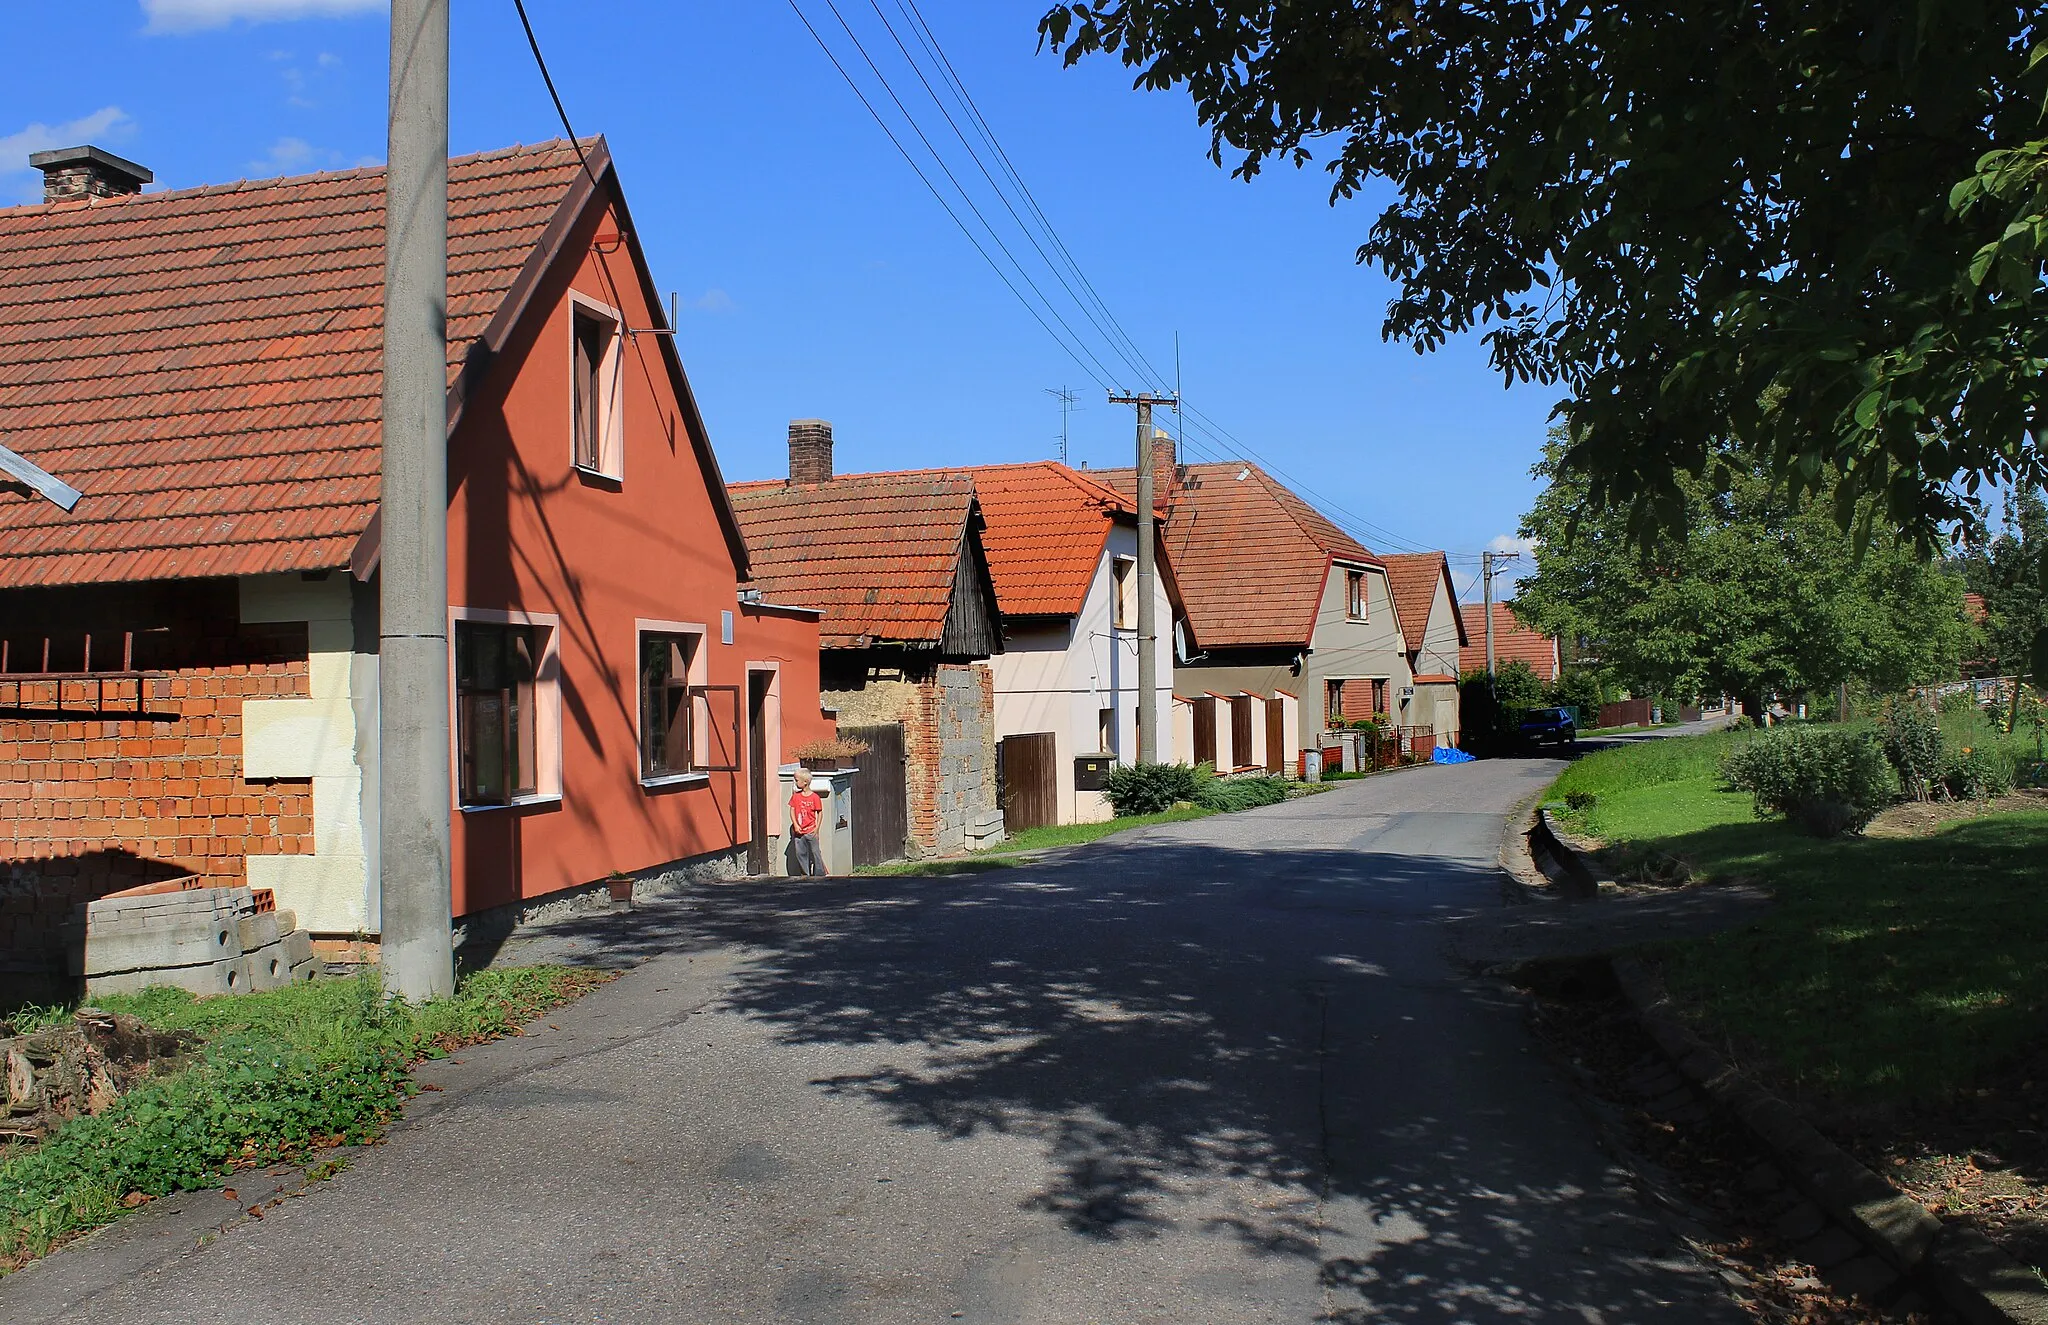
1965 1269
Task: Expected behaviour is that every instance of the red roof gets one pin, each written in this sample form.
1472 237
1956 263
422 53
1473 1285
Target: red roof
1974 609
1511 641
1249 555
878 553
205 364
1047 525
1413 577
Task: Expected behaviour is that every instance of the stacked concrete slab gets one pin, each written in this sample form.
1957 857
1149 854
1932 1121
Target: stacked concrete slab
206 940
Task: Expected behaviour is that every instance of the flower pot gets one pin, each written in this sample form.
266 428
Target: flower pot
622 889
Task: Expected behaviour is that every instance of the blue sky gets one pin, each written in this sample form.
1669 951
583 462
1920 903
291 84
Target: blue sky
817 276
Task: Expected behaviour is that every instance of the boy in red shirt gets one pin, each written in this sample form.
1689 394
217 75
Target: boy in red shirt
805 806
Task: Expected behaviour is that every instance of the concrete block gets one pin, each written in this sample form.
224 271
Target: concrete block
268 968
110 912
222 977
298 947
258 931
327 894
304 971
170 943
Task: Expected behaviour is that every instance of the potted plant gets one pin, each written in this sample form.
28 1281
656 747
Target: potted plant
829 753
621 885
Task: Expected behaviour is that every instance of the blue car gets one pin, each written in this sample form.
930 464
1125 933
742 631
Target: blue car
1547 727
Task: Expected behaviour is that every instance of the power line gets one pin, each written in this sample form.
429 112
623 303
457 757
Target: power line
533 44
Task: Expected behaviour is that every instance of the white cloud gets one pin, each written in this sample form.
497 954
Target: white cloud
172 16
714 300
108 124
285 156
1514 543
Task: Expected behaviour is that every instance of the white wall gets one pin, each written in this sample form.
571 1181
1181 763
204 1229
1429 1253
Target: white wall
1058 679
317 737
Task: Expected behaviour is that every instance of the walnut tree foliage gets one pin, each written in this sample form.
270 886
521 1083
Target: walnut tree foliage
1761 594
1809 232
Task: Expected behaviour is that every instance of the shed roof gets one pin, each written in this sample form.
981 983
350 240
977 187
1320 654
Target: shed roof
206 364
1249 554
877 553
1512 641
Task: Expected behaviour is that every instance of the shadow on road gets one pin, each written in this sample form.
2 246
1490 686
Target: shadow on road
1264 1045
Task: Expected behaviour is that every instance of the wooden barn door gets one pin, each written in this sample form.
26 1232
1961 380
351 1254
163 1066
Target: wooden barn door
881 795
1276 735
1030 781
1205 729
1240 730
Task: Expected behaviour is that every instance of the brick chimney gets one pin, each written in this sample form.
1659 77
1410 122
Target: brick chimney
1164 474
70 173
810 451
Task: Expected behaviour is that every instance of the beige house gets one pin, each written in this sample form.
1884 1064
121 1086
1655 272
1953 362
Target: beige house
1435 628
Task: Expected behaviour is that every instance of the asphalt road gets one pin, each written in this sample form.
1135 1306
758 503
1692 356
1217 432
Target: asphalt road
1220 1071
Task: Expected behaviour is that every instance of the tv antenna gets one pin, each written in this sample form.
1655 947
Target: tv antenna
1066 396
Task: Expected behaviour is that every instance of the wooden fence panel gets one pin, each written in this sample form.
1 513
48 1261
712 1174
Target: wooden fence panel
1029 767
881 795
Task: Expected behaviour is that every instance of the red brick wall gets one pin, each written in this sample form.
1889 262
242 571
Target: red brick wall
89 806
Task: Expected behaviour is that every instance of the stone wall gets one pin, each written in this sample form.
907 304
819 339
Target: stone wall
949 748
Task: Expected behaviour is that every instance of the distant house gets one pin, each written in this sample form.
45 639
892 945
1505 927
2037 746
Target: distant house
896 565
188 682
1434 628
1294 620
1512 642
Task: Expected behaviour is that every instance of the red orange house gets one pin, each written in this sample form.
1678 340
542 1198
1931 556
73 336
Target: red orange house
188 680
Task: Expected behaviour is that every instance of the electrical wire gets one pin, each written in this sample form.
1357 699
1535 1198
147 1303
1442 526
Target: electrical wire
533 44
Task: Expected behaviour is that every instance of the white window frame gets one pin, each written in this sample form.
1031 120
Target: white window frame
611 442
1123 593
699 674
1363 606
547 705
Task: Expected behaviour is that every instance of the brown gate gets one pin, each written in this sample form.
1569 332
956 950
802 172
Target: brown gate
1240 730
1205 729
1028 768
881 795
1276 736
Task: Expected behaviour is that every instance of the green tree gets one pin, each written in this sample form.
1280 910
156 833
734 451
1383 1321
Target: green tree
1806 237
2011 572
1762 595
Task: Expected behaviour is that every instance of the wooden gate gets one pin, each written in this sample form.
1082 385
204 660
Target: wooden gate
881 795
1240 731
1276 735
1028 768
1205 729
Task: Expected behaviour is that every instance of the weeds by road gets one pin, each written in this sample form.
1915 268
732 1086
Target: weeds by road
278 1076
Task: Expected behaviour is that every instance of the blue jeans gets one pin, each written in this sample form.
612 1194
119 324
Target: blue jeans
810 861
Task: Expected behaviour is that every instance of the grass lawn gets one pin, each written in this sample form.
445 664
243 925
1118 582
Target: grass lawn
279 1075
1032 839
1892 970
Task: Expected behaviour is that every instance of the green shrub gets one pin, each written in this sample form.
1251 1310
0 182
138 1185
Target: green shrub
1578 802
1579 690
1826 780
1975 774
1149 788
1912 742
1240 793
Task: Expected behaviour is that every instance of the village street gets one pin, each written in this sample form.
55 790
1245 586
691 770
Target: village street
1219 1071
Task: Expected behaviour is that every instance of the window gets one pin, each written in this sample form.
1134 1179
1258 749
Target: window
667 738
1105 730
1333 701
497 720
1379 697
1124 606
594 389
1354 594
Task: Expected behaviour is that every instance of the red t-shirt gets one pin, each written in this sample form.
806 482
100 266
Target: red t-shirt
803 811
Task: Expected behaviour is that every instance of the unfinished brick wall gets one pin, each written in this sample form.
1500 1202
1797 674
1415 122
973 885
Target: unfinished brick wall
90 804
949 747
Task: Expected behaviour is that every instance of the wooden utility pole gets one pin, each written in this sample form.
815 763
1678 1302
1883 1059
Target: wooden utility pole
414 783
1148 642
1488 561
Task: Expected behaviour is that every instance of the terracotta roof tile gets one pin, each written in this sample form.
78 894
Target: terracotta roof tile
876 553
1248 553
1413 578
205 365
1512 641
1047 525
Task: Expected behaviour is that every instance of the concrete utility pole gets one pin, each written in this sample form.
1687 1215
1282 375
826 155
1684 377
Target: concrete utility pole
1488 561
413 785
1148 643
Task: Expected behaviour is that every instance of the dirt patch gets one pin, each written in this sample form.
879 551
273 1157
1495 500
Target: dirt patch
1925 818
